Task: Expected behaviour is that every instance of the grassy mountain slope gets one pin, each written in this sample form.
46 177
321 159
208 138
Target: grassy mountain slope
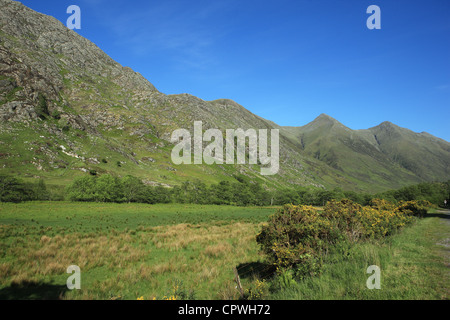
426 156
67 108
386 155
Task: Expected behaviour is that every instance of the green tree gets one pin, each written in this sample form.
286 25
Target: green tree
15 190
40 190
223 193
242 194
161 194
108 189
82 189
133 189
322 197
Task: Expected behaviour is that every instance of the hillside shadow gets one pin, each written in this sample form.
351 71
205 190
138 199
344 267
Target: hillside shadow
31 290
255 269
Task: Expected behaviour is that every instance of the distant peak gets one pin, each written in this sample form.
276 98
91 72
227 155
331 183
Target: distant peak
387 125
325 118
324 121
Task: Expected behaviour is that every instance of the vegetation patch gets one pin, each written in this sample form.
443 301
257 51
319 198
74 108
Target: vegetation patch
127 251
298 237
412 264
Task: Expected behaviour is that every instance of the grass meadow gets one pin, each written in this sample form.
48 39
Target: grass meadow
126 251
130 251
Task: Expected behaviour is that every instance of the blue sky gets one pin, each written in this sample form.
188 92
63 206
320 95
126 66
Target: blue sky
286 61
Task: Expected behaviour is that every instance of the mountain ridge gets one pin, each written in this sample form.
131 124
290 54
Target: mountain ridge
67 108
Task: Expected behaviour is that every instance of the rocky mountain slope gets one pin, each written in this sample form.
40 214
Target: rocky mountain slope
66 109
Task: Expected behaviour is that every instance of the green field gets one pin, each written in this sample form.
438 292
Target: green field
125 251
128 251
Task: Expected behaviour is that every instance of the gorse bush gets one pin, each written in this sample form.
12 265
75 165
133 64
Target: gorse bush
297 237
382 204
257 291
345 216
380 223
417 208
380 219
357 222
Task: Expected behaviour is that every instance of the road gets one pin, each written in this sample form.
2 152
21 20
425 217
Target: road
446 241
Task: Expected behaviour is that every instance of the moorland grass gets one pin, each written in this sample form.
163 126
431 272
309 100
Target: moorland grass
125 251
128 251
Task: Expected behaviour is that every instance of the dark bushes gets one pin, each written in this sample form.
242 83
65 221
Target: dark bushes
16 190
107 188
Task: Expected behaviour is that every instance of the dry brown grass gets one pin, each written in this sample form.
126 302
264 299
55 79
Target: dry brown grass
52 255
218 250
228 291
5 270
182 235
202 255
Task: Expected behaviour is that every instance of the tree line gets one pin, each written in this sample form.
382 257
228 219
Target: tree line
16 190
242 192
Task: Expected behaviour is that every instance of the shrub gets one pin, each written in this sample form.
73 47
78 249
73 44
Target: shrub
66 128
108 189
382 204
257 291
346 215
283 280
378 220
40 191
82 189
134 190
295 237
380 223
14 190
416 208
